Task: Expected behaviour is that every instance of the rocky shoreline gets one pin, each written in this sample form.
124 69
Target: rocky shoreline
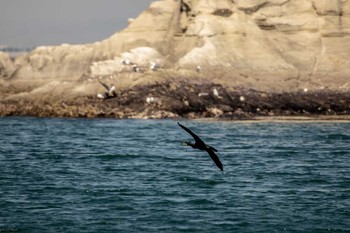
191 101
235 60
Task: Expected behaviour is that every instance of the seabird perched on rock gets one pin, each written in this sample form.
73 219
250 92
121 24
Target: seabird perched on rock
110 91
150 99
185 101
154 66
203 94
126 62
198 68
199 144
136 68
216 92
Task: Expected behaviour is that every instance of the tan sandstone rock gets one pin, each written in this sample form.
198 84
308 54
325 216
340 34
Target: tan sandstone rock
269 45
6 65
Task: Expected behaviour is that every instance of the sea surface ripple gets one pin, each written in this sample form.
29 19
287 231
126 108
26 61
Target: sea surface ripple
103 175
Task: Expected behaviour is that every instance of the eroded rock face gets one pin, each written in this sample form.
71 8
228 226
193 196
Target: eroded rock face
267 45
6 65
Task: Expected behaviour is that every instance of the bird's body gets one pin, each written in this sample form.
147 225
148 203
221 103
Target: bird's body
200 145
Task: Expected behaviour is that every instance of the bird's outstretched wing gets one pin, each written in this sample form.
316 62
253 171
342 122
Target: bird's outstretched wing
105 85
215 158
210 147
195 137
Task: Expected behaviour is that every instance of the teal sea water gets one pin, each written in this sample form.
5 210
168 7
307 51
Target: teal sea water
99 175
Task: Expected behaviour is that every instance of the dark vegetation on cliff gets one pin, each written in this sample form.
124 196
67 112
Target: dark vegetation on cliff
188 100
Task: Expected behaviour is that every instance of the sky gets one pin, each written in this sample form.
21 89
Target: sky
30 23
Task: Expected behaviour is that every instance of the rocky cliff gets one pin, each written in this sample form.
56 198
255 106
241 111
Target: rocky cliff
264 45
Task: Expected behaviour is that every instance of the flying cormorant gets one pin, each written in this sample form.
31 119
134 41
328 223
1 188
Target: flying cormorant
199 144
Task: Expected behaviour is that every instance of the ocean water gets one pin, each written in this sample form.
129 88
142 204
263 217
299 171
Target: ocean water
103 175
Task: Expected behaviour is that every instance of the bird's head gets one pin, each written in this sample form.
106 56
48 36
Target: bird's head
187 144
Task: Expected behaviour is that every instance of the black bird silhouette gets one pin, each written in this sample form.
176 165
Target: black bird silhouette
110 90
199 144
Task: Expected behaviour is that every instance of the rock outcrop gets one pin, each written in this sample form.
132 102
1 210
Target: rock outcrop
188 100
6 65
264 45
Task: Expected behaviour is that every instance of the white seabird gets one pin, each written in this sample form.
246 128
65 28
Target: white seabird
150 99
216 92
100 96
203 94
154 66
136 68
126 62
